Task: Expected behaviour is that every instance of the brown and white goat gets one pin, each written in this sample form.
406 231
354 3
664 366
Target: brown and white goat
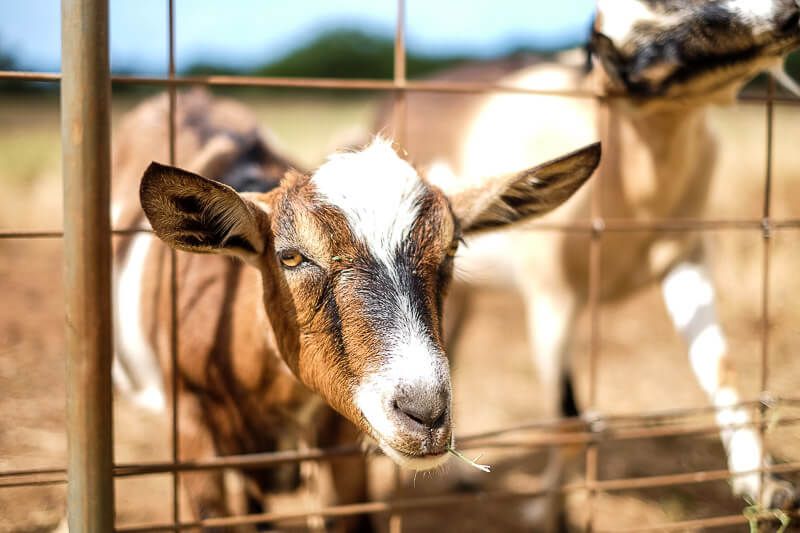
216 137
339 291
664 64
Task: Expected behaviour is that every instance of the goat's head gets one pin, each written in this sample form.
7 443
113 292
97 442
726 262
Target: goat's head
356 260
691 49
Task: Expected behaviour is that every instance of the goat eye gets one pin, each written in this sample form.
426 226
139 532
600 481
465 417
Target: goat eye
451 251
291 258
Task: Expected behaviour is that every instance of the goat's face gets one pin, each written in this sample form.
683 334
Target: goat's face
691 48
356 260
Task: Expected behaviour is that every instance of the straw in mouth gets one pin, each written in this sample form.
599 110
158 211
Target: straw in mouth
471 462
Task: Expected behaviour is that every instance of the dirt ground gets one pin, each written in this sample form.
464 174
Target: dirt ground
643 366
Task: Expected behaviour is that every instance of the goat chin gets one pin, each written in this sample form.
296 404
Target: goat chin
418 463
404 460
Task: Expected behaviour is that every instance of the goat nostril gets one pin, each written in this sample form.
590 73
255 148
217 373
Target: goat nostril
440 420
430 416
415 418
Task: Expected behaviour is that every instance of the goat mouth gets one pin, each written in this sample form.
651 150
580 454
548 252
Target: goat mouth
411 461
419 462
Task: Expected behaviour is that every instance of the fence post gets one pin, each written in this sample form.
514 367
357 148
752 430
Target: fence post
85 133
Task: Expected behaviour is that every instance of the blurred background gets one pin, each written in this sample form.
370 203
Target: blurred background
642 364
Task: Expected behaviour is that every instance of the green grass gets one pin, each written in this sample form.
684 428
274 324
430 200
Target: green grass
312 126
307 124
26 156
29 139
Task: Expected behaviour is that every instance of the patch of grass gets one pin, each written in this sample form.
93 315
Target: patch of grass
311 125
29 139
755 514
26 155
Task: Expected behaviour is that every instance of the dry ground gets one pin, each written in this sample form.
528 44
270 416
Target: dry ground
642 365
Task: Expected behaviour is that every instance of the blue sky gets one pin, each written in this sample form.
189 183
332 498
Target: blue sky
251 32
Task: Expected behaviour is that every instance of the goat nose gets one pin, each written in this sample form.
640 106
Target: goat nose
423 409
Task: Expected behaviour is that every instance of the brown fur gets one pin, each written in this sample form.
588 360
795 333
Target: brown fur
248 365
236 395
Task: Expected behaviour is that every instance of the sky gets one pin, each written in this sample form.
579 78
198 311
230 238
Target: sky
242 33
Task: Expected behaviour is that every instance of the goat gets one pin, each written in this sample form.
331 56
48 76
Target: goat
343 298
661 65
217 137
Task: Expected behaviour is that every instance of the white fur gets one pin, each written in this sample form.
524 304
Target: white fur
618 18
116 211
441 174
142 375
687 290
742 442
550 318
378 192
408 361
689 296
754 11
758 14
505 135
706 353
411 360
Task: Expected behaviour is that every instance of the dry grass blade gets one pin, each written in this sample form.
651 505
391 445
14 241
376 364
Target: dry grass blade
472 463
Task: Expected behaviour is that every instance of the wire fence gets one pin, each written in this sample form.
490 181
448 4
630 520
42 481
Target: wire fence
586 432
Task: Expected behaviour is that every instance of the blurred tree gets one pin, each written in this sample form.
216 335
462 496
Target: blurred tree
341 53
7 61
793 65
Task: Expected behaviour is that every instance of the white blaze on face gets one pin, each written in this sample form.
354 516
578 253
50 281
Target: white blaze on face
411 362
408 362
379 193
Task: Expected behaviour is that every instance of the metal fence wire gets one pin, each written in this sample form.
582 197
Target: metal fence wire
85 85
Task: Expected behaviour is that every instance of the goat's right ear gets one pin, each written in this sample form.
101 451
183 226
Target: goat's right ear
522 195
195 214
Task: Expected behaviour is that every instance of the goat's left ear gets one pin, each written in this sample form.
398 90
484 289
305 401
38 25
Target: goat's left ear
195 214
526 194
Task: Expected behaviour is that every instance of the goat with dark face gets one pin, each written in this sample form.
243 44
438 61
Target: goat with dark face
701 49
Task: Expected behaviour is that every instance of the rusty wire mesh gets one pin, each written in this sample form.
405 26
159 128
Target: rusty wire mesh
587 432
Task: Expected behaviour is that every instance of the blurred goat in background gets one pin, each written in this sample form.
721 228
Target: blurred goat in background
661 65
